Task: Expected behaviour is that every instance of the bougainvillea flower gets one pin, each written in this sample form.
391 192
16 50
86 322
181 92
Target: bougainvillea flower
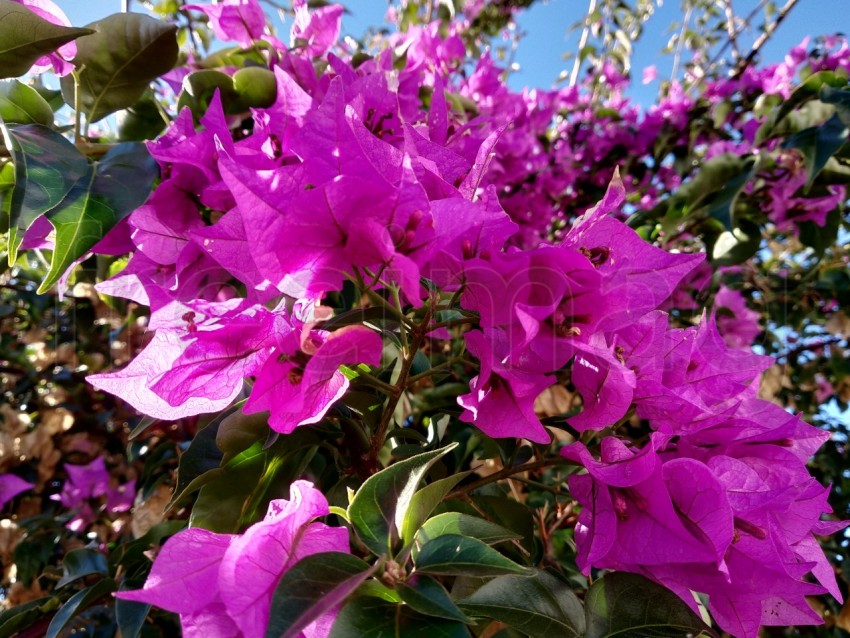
647 514
298 384
735 321
605 384
501 398
316 30
61 59
221 585
92 481
10 486
240 21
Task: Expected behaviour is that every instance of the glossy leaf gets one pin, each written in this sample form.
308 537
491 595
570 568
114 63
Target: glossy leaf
118 62
380 506
82 562
455 555
631 606
22 104
312 587
220 501
424 501
427 596
142 121
200 462
83 200
199 87
818 144
118 184
130 617
25 37
464 525
542 605
78 603
21 616
366 617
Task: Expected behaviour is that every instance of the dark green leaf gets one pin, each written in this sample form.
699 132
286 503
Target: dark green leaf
313 586
202 459
424 501
47 166
808 90
366 617
83 200
22 104
427 596
130 617
631 606
21 616
118 62
118 184
199 87
82 562
239 431
722 205
220 501
736 246
25 37
464 525
509 514
455 555
542 605
379 507
818 144
78 603
142 121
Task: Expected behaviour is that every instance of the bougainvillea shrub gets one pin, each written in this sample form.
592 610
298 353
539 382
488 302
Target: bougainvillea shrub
373 345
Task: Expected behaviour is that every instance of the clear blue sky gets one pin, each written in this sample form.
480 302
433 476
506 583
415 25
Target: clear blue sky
546 24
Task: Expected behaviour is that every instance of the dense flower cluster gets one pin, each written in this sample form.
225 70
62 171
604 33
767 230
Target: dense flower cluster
350 176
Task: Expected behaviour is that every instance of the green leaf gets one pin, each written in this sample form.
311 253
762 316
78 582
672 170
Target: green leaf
313 586
117 63
130 617
78 603
256 86
201 462
722 205
142 121
818 144
427 596
83 200
25 37
542 605
455 555
631 606
840 98
82 562
47 166
22 104
736 246
366 617
220 502
199 87
464 525
380 506
21 616
118 184
424 501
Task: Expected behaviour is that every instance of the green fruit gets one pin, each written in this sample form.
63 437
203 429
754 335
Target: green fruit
255 86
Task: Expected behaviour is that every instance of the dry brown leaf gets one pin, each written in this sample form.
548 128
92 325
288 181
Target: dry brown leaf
149 512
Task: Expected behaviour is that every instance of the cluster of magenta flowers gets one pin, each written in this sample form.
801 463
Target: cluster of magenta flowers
348 177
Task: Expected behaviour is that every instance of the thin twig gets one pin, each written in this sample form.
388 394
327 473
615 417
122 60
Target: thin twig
585 34
764 37
507 473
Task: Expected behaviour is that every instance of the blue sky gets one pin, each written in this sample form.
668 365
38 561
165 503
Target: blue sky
546 25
